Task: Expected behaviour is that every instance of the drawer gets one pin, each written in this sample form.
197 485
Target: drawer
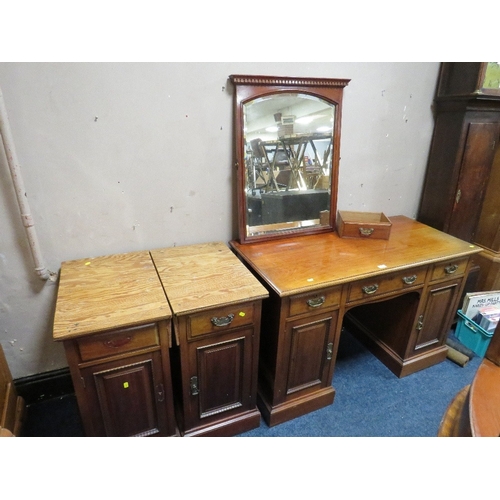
220 319
449 269
319 299
117 342
386 283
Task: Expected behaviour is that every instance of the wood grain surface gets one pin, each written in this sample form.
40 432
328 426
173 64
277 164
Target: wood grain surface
312 262
485 401
103 293
198 277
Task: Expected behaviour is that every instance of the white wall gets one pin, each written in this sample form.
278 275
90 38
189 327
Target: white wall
118 157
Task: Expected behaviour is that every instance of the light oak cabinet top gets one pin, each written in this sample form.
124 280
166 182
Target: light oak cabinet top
199 277
108 292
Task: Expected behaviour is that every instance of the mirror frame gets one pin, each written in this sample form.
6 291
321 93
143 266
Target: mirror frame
250 87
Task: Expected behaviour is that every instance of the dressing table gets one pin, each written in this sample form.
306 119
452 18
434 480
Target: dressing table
397 295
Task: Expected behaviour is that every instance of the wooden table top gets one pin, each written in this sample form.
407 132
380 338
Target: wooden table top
109 292
485 401
199 277
303 263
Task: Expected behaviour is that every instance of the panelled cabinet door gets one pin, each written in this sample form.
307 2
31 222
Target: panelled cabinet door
309 344
127 397
488 231
477 159
220 382
432 325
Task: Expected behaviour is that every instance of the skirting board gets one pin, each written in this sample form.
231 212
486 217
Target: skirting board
44 386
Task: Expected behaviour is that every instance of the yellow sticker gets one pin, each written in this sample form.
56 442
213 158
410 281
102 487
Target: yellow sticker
125 385
87 263
242 314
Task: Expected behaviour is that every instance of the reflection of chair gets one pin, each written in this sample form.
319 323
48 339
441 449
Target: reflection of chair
283 178
261 164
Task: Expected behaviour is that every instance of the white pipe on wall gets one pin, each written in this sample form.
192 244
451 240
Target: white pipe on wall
15 171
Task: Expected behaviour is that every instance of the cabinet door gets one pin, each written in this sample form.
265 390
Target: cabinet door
310 345
220 378
433 323
488 231
474 172
127 397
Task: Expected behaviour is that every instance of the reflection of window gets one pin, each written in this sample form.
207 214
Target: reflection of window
492 76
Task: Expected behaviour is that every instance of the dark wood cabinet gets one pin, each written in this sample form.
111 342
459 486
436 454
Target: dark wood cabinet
215 379
296 379
465 140
460 192
115 323
126 397
216 303
488 231
431 324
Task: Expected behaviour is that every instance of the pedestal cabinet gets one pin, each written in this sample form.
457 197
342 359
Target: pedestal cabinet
398 296
216 304
115 323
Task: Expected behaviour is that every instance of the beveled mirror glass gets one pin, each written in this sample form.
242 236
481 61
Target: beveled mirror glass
287 153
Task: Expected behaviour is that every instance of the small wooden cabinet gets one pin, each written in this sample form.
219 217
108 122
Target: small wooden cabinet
216 304
115 323
397 296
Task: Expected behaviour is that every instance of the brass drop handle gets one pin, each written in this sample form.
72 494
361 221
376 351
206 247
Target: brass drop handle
316 302
451 269
366 231
116 343
223 321
409 280
370 289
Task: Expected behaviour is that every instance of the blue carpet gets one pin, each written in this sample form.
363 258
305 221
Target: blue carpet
371 401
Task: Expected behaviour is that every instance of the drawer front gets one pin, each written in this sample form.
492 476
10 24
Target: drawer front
449 269
386 283
317 300
220 319
118 341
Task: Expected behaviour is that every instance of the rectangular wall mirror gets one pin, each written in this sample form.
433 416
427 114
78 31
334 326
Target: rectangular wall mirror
287 133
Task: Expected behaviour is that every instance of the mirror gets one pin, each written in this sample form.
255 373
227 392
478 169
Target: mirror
287 154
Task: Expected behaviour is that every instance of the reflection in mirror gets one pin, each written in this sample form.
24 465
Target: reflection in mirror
287 134
288 160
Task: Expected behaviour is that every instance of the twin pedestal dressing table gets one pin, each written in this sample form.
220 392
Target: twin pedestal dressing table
204 339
